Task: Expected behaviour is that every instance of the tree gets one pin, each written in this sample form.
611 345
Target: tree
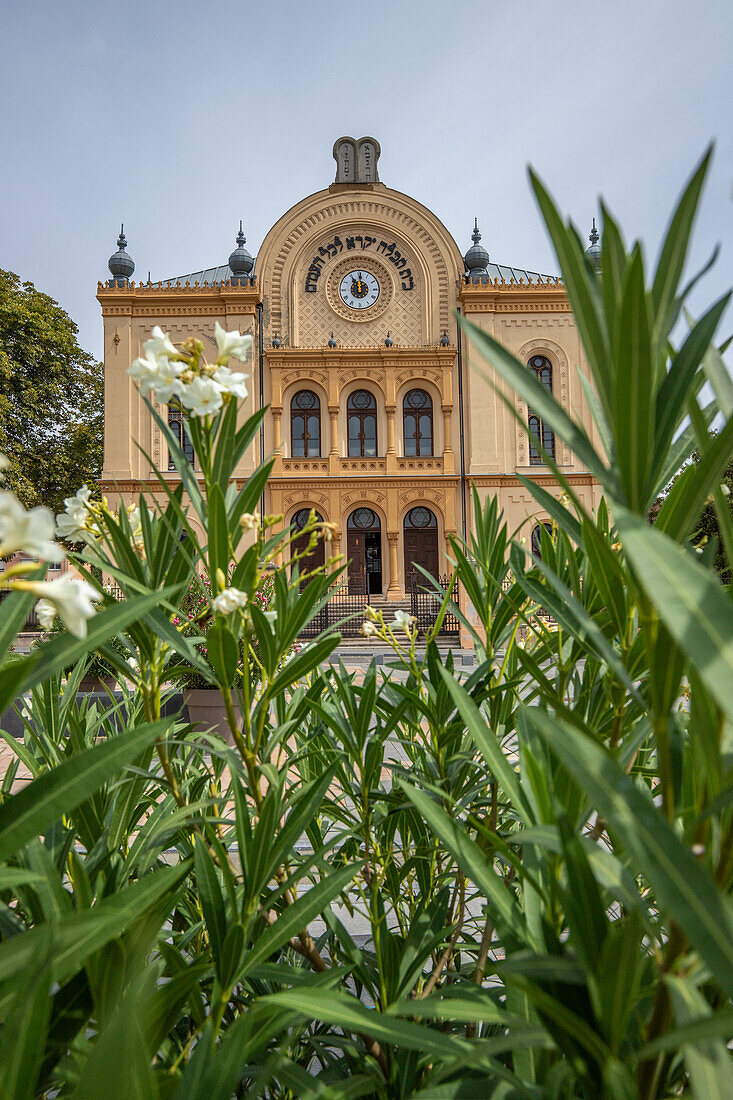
51 398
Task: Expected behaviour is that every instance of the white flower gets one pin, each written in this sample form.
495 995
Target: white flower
369 629
167 383
229 600
70 597
76 523
231 345
145 372
202 396
159 344
403 621
725 490
4 463
32 531
231 382
271 617
249 521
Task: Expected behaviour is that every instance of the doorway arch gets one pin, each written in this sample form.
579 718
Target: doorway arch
420 537
364 550
317 556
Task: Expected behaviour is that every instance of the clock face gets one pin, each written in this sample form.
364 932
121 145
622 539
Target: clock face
358 289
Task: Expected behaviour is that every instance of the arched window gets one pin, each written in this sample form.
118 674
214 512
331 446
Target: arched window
537 538
539 434
177 424
361 412
305 425
417 420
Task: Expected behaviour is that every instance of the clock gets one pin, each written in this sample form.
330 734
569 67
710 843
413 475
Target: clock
359 289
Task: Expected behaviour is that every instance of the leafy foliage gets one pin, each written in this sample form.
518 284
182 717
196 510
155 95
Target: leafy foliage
51 398
510 883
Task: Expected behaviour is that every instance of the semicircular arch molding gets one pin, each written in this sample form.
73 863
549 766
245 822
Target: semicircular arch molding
325 215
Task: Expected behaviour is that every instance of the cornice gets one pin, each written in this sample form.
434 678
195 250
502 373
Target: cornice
499 480
501 297
144 299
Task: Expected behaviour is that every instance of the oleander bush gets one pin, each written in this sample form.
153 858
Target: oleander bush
508 882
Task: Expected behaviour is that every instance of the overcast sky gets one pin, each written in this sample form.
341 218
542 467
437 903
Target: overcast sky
179 118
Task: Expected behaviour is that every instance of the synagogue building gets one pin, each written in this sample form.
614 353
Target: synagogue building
381 417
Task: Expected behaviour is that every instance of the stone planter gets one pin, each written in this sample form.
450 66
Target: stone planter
97 685
206 711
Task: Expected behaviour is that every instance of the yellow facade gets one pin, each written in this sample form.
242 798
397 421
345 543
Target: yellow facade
312 332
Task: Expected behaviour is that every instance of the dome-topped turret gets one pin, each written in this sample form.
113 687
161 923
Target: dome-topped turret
594 252
120 264
477 258
240 261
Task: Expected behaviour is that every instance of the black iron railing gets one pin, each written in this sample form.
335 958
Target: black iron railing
344 610
425 603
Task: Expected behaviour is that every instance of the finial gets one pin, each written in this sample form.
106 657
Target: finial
332 343
121 265
240 261
475 236
444 341
276 341
148 278
389 342
593 235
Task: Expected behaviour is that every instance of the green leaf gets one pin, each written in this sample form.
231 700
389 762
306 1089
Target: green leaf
471 859
119 1063
684 890
223 652
674 250
689 601
351 1015
675 389
297 916
81 933
584 295
24 1032
39 805
15 611
212 902
487 744
635 389
708 1061
218 530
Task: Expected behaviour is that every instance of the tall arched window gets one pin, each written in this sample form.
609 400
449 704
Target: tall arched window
537 538
361 412
305 425
177 424
539 434
417 421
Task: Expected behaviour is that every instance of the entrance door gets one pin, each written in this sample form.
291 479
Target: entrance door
364 550
421 543
317 555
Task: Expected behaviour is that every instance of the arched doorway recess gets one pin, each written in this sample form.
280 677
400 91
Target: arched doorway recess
421 542
317 556
364 550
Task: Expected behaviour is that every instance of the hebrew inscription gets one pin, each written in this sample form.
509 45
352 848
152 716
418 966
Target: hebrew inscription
359 243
